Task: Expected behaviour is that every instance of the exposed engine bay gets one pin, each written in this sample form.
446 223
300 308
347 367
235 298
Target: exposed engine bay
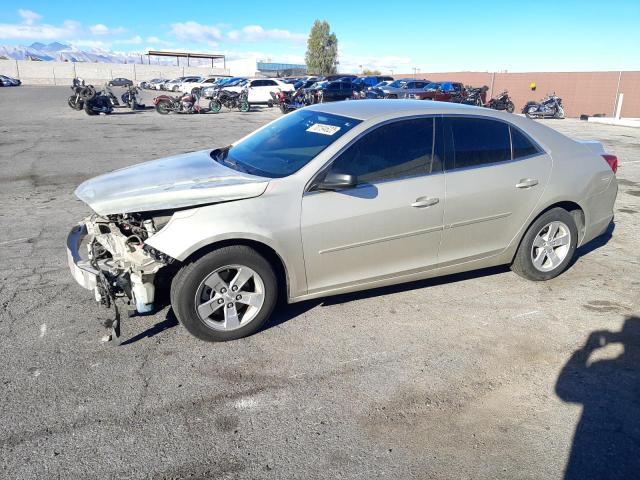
113 260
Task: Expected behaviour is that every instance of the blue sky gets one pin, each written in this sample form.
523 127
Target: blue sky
561 35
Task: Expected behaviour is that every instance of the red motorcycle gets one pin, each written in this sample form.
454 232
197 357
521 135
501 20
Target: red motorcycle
187 103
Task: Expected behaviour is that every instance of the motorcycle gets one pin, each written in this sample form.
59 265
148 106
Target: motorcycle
471 96
289 101
187 103
501 102
81 92
549 107
100 103
130 99
231 100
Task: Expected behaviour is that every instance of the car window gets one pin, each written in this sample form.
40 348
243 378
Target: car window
268 83
288 144
521 145
475 142
395 150
419 85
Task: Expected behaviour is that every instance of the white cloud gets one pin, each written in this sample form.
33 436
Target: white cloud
101 29
385 64
136 40
30 29
257 33
158 41
196 32
29 17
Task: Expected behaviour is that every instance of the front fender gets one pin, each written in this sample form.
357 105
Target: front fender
274 224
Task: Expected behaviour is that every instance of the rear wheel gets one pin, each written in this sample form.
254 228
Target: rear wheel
226 294
163 107
88 110
215 106
547 247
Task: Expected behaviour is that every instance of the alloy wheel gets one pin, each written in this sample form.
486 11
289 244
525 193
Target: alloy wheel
230 297
550 246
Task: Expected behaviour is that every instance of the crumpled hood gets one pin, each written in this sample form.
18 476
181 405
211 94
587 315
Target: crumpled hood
174 182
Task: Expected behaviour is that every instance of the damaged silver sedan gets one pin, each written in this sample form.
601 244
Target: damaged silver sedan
336 198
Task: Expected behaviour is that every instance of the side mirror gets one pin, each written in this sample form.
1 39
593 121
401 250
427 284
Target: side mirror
337 181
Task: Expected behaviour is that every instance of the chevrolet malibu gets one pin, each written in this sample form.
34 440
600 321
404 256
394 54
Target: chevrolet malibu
336 198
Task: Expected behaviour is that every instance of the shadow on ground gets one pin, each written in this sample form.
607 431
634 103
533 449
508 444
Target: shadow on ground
606 443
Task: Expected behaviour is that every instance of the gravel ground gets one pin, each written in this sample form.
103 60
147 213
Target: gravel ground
477 376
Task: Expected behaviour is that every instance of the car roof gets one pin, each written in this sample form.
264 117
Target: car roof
369 109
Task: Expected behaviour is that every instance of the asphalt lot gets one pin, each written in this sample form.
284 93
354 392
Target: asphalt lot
449 378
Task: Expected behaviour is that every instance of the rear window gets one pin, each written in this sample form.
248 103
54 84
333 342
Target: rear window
286 145
477 142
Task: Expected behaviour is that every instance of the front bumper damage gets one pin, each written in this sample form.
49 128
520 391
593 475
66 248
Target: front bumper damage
108 256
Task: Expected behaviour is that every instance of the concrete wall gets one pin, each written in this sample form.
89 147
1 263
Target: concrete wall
581 92
61 73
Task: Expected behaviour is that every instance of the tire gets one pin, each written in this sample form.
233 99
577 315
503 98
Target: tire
175 88
244 106
215 106
87 93
163 107
75 104
189 289
88 110
510 107
524 264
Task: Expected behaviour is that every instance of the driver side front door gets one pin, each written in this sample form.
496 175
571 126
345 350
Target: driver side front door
387 226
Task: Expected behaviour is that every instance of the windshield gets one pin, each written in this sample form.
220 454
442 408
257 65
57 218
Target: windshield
432 86
397 83
287 145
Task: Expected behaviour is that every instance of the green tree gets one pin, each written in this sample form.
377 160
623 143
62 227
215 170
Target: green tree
368 72
322 49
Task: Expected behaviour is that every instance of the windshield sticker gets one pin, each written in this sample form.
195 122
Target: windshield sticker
323 129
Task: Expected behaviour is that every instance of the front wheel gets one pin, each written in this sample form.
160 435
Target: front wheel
163 107
226 294
244 106
510 107
215 106
75 103
547 247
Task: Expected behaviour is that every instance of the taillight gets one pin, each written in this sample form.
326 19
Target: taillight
612 160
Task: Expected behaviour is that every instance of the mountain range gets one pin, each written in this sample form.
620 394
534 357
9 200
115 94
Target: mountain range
61 52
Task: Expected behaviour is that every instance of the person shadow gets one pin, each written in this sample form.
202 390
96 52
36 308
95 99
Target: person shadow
606 443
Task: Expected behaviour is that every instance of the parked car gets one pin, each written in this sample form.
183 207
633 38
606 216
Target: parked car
439 91
340 197
120 82
372 80
178 86
191 87
260 89
403 87
151 84
9 81
337 90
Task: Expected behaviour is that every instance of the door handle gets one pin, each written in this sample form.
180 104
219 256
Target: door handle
422 202
527 183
